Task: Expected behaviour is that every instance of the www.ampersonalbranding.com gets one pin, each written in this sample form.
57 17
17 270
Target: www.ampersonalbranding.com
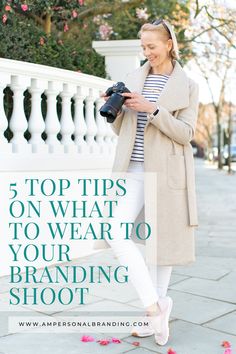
46 324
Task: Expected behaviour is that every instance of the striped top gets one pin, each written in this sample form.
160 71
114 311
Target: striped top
152 88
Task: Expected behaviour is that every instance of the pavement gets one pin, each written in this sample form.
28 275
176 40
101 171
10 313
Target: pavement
204 293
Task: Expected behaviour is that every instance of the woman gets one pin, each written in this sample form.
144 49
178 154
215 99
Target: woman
155 127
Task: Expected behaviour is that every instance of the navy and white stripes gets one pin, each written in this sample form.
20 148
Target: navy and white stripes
152 88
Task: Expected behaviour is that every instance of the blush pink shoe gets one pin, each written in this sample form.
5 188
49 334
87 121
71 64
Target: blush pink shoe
160 323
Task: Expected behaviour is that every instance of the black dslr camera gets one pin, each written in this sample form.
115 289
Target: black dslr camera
115 102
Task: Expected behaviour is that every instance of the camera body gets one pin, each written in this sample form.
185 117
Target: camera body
113 105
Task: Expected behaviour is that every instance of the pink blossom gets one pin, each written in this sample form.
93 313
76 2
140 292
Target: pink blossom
87 339
66 27
74 14
7 8
103 341
4 18
105 30
81 2
41 41
97 19
116 340
142 14
24 7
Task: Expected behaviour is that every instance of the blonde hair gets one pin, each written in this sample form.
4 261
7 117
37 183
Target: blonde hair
166 31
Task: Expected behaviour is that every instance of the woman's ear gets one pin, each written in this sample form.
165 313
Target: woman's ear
169 44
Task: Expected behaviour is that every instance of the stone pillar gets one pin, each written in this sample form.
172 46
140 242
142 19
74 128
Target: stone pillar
121 56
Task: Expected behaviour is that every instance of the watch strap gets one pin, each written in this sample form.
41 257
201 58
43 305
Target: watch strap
156 111
152 115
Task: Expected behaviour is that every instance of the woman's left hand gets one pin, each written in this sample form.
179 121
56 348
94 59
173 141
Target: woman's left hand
138 102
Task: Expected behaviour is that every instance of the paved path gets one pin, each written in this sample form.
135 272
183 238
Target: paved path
204 294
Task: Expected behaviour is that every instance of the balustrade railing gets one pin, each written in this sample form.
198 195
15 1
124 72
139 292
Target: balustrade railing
49 119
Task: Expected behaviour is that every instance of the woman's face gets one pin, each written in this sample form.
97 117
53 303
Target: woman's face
155 49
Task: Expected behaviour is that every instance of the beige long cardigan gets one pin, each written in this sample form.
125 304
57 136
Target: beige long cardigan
172 212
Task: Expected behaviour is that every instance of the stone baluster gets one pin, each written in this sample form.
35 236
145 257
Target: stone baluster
101 127
52 122
18 122
67 124
36 122
90 121
79 121
4 146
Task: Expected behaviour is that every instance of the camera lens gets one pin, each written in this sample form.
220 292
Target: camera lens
112 107
109 112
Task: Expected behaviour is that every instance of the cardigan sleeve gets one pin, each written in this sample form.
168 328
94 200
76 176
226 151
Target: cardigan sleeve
182 128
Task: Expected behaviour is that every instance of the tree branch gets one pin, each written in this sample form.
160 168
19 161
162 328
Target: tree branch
201 33
224 35
204 7
105 8
27 14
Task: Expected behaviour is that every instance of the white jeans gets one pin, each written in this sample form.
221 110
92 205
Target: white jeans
152 283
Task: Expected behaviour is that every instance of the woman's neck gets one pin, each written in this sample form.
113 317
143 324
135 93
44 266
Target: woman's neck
163 69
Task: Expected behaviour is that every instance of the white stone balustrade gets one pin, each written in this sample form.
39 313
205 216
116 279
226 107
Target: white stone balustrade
79 137
66 122
3 118
36 123
79 121
18 123
90 121
52 123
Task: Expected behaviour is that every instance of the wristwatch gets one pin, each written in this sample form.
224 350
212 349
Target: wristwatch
152 115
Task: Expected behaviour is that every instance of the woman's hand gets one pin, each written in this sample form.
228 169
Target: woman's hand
103 95
138 102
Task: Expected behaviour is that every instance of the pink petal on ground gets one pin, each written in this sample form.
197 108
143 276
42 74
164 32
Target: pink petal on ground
87 339
104 341
171 351
136 344
228 351
226 344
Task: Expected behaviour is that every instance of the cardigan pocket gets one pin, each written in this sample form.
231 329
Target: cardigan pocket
176 175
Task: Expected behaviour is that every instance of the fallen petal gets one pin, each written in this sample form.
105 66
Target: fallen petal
226 344
103 342
171 351
136 344
228 351
87 339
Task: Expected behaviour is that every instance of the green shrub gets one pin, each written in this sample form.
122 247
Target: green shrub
24 41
